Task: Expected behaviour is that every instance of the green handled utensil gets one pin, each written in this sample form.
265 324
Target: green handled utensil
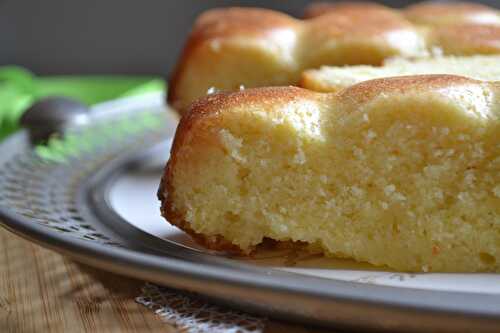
19 89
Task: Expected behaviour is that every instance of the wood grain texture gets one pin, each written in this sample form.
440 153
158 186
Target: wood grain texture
42 291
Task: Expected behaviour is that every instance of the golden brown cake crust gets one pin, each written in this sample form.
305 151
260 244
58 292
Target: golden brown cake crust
351 19
344 7
196 121
437 13
217 24
431 12
367 90
235 21
257 47
257 26
467 39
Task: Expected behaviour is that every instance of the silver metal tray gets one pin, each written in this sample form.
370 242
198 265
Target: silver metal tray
90 195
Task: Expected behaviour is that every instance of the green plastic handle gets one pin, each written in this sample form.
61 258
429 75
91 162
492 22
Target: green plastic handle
19 88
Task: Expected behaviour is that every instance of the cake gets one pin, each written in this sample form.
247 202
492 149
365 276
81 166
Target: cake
233 48
401 172
450 28
460 28
451 13
331 79
431 13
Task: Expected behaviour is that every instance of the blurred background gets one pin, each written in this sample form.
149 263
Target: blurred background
111 36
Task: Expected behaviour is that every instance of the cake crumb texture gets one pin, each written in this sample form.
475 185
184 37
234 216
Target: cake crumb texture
331 79
401 172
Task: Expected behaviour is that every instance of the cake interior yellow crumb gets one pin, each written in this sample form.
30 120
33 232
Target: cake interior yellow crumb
331 78
411 181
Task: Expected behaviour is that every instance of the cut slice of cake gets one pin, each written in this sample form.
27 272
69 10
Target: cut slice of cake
402 172
330 79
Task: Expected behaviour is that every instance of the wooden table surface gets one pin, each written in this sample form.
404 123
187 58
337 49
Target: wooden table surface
42 291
